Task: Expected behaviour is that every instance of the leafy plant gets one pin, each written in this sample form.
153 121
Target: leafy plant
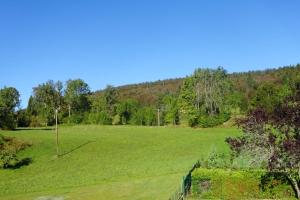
9 147
273 137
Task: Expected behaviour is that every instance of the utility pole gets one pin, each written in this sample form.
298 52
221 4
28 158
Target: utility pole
56 130
158 117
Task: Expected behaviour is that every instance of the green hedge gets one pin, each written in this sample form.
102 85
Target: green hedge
229 184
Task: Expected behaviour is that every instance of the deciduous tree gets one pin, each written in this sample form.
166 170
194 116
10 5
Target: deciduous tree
273 137
76 96
9 101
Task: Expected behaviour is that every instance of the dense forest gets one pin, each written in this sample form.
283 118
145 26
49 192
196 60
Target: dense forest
208 97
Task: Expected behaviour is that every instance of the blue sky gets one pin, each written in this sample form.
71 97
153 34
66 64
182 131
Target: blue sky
122 42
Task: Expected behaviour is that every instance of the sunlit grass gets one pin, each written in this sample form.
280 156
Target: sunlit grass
108 162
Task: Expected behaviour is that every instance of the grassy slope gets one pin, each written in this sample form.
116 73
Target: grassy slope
106 162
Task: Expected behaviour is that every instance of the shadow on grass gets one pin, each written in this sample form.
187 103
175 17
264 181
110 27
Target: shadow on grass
20 163
76 148
35 129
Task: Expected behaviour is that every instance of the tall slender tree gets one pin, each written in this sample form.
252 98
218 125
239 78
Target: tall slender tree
48 97
76 96
9 101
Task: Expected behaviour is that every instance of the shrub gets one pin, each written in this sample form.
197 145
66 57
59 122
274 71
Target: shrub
98 118
7 121
116 120
216 160
206 121
76 118
237 184
138 118
9 147
104 118
36 121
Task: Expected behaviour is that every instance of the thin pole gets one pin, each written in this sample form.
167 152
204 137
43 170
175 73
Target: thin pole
56 129
158 117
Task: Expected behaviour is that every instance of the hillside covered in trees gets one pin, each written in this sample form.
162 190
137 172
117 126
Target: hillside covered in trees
208 97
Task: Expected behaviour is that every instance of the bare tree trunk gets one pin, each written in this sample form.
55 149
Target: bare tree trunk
158 117
56 131
69 111
295 185
211 96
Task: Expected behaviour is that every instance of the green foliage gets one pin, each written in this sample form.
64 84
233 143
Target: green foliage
110 99
99 118
187 100
206 121
233 184
46 98
171 110
138 118
9 100
75 119
144 116
126 109
269 95
76 96
216 159
104 118
150 116
9 147
36 121
7 121
116 120
23 119
203 98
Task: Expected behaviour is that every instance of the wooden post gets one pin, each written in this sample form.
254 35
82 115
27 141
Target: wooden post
56 130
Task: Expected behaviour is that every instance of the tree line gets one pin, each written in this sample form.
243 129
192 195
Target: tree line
208 97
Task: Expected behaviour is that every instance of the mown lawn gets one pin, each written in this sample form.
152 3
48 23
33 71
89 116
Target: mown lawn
108 162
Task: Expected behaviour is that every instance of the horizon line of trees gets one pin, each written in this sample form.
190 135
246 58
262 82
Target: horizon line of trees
209 97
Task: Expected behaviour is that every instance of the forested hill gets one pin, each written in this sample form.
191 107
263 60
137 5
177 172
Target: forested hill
148 93
207 98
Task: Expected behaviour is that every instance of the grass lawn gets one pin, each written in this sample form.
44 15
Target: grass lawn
108 162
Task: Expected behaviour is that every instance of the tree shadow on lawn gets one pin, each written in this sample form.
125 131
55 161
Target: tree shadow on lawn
36 129
20 163
76 148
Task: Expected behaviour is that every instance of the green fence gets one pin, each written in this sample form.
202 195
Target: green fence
184 188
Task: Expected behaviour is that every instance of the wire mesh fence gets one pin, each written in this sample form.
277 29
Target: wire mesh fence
185 186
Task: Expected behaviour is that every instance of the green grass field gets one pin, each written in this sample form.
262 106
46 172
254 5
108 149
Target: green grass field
108 162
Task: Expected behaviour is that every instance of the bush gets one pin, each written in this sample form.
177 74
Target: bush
23 119
238 184
216 160
7 121
76 118
98 118
9 147
206 121
138 118
116 120
104 118
36 121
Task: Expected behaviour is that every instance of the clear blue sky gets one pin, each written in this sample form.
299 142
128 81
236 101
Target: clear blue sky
122 42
